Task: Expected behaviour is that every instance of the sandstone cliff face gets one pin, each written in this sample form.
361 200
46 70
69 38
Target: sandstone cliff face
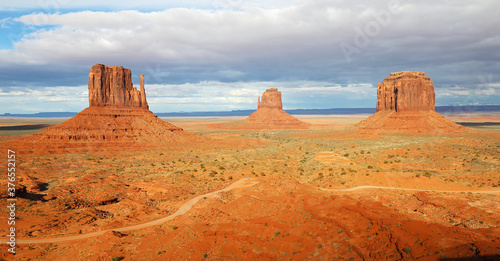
405 104
112 86
403 91
271 98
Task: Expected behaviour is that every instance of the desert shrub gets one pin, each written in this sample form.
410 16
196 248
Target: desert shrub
407 250
370 166
117 258
346 155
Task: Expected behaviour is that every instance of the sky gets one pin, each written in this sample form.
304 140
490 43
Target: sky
220 55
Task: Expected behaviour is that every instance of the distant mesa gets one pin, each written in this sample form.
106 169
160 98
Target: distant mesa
271 99
268 116
118 117
406 103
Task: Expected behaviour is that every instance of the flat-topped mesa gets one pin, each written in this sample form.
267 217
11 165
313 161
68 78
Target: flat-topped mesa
112 86
271 98
407 90
405 104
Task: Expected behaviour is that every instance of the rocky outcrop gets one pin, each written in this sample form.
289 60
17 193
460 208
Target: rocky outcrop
112 86
268 116
271 99
117 119
405 104
403 91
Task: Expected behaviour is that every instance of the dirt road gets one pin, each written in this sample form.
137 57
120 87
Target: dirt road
189 204
181 211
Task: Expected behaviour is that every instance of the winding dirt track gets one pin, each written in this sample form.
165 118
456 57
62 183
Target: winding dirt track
181 211
188 205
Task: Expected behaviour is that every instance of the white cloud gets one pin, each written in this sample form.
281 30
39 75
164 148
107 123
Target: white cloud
204 36
187 50
58 5
485 92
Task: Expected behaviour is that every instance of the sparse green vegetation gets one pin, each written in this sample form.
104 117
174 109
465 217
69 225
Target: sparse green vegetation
299 156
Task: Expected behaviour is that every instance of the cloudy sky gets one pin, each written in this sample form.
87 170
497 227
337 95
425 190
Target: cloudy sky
221 54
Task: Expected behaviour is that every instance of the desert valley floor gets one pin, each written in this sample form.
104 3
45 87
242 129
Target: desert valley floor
286 195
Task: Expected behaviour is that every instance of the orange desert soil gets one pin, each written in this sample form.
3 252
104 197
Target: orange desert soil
388 121
320 193
115 182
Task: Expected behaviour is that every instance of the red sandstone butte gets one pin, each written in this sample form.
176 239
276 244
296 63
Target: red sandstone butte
271 99
268 116
404 91
112 86
118 117
406 104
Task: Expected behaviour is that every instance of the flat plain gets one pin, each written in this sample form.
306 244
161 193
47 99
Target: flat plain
302 196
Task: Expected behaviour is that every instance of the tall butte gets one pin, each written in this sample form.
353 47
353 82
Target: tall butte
268 116
406 104
118 117
112 86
